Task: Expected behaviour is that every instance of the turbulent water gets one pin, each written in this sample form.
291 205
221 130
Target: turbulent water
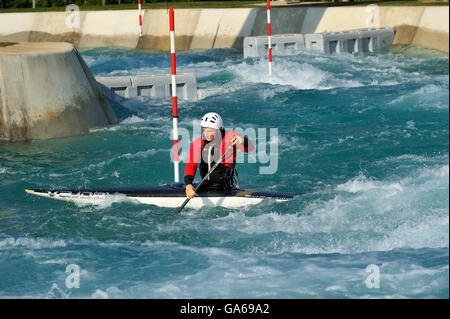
365 137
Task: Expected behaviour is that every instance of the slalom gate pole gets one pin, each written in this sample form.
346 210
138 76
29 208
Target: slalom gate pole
140 19
174 96
269 37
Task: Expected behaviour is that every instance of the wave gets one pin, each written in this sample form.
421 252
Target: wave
364 184
363 214
132 119
140 154
430 96
303 76
183 269
30 243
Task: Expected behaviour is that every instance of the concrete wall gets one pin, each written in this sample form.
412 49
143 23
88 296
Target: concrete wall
432 31
46 90
112 28
224 28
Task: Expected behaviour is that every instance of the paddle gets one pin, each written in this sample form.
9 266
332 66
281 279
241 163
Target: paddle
206 176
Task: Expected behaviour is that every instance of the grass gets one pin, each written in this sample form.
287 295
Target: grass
5 44
156 5
406 3
225 4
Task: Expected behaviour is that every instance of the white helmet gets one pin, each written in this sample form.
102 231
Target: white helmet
212 120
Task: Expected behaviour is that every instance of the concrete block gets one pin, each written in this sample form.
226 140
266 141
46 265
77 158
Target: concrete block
46 91
363 40
281 43
333 42
155 85
374 39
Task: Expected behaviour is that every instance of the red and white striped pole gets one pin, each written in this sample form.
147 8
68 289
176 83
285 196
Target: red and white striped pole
269 37
140 19
174 96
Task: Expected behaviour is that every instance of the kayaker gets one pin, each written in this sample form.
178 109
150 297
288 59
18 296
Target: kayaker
205 151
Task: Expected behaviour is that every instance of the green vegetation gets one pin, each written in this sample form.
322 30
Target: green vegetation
59 5
405 3
5 44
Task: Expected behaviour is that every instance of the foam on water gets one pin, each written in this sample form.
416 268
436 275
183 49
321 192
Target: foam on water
379 216
132 119
424 97
302 76
233 274
29 243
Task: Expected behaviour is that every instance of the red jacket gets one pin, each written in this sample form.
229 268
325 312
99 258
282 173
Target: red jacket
196 149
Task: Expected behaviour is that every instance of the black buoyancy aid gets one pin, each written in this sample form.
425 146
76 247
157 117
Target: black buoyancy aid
210 156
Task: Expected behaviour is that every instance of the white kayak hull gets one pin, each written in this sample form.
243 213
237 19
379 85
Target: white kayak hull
171 195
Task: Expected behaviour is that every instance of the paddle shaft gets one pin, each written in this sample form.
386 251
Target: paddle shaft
206 176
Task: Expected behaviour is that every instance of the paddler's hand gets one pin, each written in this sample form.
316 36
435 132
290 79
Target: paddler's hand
190 191
237 139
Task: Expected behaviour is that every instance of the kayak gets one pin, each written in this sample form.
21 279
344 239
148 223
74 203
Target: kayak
169 195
